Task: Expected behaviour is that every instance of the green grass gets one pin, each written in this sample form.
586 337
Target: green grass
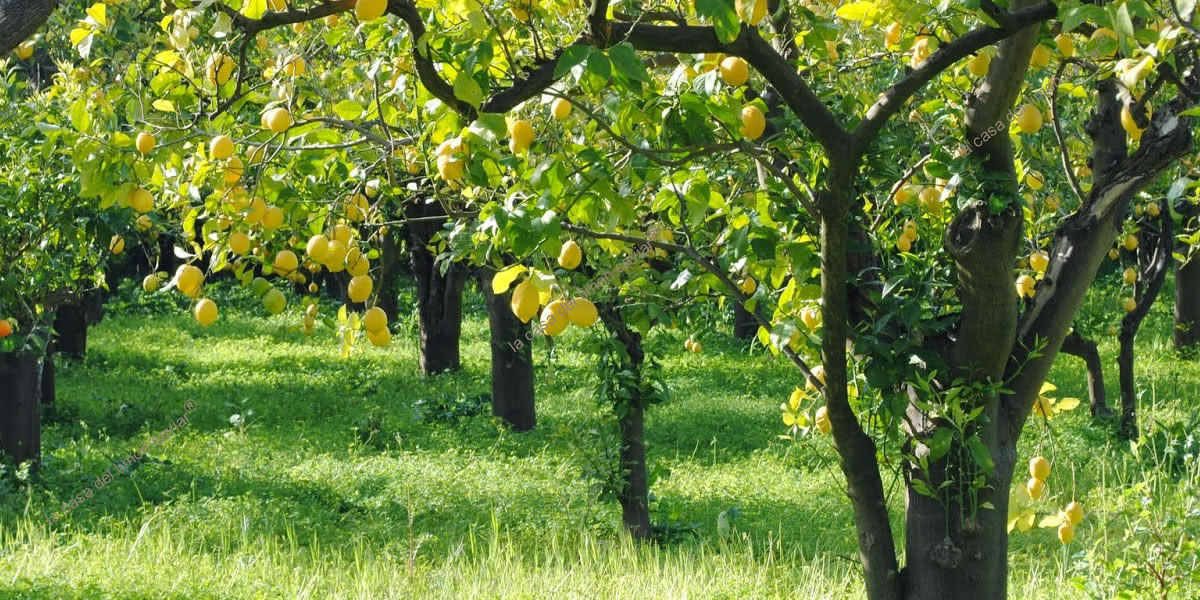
331 488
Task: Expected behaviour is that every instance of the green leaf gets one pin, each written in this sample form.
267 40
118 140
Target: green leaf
467 89
981 454
624 58
490 126
254 9
164 105
572 56
350 109
724 18
939 445
1075 17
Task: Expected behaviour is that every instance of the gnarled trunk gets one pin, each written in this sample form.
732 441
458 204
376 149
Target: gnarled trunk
1152 260
512 359
439 294
20 418
1077 345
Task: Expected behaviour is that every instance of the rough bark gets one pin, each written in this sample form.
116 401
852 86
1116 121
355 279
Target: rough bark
744 325
512 359
439 294
1077 345
49 388
20 392
70 330
389 275
634 496
19 19
1153 261
1187 287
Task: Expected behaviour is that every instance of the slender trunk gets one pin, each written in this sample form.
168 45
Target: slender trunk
1077 345
1152 261
1187 288
512 359
48 387
439 295
389 277
1128 394
20 392
744 325
634 496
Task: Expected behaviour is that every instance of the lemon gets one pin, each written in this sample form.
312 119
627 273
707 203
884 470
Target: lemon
1074 513
1039 468
206 312
116 245
221 147
697 347
144 142
359 288
1130 276
1035 180
582 312
979 64
341 233
522 136
141 200
570 255
753 122
274 301
687 344
751 11
335 256
317 248
277 119
1026 286
1036 487
560 109
811 317
1113 254
369 10
1129 305
285 262
357 263
903 195
891 35
748 285
1039 261
1130 242
24 50
375 319
1066 45
734 71
357 207
272 218
150 283
1066 533
239 243
818 372
823 424
904 244
1153 209
233 170
260 286
1040 57
257 210
1029 118
380 338
554 318
525 301
189 280
1130 125
143 223
219 68
295 67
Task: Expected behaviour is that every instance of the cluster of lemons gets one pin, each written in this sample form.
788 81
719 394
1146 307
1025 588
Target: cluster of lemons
796 418
557 314
1022 517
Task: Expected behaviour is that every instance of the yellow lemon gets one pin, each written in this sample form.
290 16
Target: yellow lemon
335 256
1066 45
317 248
554 318
1026 286
734 71
219 68
753 122
357 207
1039 261
233 170
277 119
1035 180
811 317
342 233
359 288
570 256
525 301
751 11
1036 487
150 283
380 338
285 262
239 243
272 218
560 109
522 136
144 142
141 200
582 312
221 147
116 245
375 319
1029 118
369 10
748 285
1066 532
256 211
1074 513
1130 242
1039 468
357 262
979 64
206 312
189 280
823 424
1040 57
24 50
1129 305
1130 276
891 35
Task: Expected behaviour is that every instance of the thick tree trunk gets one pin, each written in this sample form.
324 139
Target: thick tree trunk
439 296
1085 349
512 359
1187 288
48 387
744 325
634 496
20 418
70 330
19 19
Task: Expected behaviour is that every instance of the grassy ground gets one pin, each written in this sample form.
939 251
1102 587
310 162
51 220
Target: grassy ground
328 486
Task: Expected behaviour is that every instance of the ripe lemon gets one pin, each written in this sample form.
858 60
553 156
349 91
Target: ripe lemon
554 318
1130 125
450 169
1026 286
143 223
206 312
309 323
317 248
285 262
1039 261
891 35
375 319
1130 276
818 372
189 280
357 207
734 71
1036 487
219 68
697 347
369 10
1066 45
524 301
1029 118
903 195
274 301
141 200
1074 513
357 262
380 338
1130 242
904 244
335 257
751 11
570 255
295 67
979 64
1039 468
811 317
1153 209
582 312
277 119
239 243
1040 57
522 136
116 245
748 285
233 170
221 147
1066 533
1035 180
753 122
1129 305
256 211
272 218
144 142
823 424
560 109
341 233
150 283
359 288
24 50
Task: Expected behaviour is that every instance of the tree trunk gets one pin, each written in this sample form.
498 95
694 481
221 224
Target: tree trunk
744 325
389 276
70 330
634 496
48 387
1187 288
439 296
1077 345
19 19
512 359
1152 259
20 418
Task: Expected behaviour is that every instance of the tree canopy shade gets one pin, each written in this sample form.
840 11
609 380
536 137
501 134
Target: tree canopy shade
817 150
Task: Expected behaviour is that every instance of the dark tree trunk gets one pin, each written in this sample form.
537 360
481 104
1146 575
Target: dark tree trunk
744 325
1152 258
439 295
1187 288
70 330
20 419
389 276
19 19
48 387
634 497
1077 345
512 359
